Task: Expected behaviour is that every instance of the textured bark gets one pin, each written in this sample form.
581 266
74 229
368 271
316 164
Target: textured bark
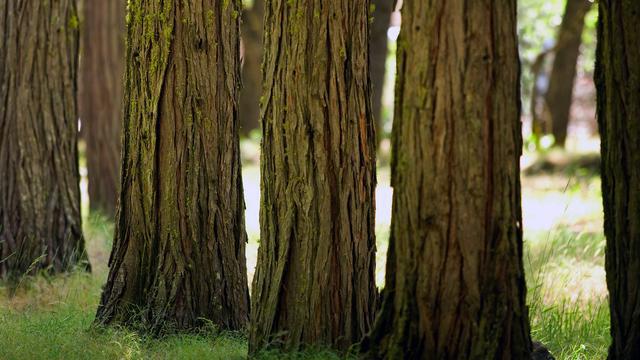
40 223
618 86
378 54
314 280
560 93
252 25
179 249
455 284
101 75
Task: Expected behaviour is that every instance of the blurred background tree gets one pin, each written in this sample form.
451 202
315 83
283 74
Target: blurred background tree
557 45
251 54
100 97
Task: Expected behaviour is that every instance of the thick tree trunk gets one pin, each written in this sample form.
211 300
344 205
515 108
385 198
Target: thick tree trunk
178 258
560 93
40 223
378 51
314 280
618 85
455 284
101 73
252 24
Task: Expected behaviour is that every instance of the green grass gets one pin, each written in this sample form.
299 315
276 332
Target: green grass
51 317
568 308
65 331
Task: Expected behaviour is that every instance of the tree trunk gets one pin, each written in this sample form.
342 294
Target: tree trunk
40 223
455 285
251 75
101 73
618 87
560 93
178 259
378 54
314 280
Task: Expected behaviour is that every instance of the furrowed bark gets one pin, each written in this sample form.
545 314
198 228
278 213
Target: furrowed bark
618 108
40 223
314 280
455 284
178 259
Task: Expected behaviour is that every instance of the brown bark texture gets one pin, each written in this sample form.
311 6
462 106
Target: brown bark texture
618 108
252 25
100 101
178 259
455 286
560 92
314 280
40 223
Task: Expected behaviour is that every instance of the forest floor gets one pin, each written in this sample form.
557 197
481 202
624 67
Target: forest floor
51 317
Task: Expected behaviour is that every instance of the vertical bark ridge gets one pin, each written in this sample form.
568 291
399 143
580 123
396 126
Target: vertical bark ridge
40 222
314 281
618 86
178 257
455 284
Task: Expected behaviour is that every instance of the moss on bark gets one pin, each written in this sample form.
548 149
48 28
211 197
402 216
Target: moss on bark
314 281
455 284
178 259
40 223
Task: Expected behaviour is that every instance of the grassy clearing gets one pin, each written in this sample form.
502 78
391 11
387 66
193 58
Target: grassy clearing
51 318
567 295
564 258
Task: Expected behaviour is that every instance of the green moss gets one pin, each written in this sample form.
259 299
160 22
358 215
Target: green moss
372 10
74 23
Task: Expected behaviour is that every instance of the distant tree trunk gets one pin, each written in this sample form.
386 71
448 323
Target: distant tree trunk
314 280
455 285
560 93
252 24
378 51
40 223
618 108
178 258
101 73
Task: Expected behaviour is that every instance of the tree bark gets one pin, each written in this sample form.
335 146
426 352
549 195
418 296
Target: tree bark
455 285
178 259
101 87
618 109
378 51
252 24
560 93
40 223
314 280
